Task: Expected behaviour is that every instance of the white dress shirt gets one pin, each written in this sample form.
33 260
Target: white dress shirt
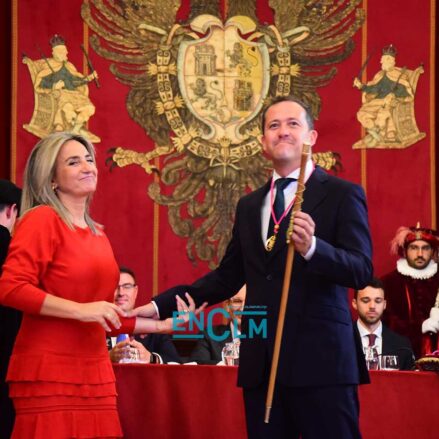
289 194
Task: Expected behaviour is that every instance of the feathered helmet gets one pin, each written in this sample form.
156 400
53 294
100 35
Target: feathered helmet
405 235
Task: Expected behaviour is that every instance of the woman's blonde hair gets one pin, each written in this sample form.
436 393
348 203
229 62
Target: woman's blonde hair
39 174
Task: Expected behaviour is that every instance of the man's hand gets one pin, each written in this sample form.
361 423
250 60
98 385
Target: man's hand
303 231
118 352
144 354
185 310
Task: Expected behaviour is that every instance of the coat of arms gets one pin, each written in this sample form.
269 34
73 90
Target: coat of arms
198 86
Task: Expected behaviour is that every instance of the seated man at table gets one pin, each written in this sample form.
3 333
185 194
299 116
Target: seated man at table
208 349
370 304
152 348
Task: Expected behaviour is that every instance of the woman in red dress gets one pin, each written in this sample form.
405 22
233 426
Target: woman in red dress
61 272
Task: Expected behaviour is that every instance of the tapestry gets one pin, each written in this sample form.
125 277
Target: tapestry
171 98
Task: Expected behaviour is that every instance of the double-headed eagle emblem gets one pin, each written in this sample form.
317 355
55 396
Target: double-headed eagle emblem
198 86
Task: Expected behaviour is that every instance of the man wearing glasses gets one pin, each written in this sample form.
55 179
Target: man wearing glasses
151 348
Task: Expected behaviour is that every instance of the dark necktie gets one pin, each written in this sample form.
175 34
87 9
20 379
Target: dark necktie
279 202
372 339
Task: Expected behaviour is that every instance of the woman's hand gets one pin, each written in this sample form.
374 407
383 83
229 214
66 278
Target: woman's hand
100 312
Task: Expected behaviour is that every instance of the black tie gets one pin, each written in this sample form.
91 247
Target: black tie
279 202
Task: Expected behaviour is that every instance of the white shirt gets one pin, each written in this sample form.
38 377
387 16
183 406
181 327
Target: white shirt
289 194
365 339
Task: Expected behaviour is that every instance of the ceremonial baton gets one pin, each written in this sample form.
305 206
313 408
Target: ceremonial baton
287 281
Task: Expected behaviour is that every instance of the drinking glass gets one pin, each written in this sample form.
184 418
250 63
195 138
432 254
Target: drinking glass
372 358
389 362
230 354
130 355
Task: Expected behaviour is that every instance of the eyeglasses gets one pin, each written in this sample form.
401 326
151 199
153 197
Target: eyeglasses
126 287
235 304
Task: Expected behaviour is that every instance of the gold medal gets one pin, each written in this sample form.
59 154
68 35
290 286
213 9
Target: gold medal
269 244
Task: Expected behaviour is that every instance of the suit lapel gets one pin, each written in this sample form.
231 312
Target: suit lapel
254 223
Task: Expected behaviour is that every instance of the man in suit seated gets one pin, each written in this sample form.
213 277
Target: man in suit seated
208 349
370 304
152 348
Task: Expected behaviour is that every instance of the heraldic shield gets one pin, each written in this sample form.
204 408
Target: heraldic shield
223 78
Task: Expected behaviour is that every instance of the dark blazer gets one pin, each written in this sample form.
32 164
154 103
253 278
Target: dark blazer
395 344
159 344
10 321
207 350
318 346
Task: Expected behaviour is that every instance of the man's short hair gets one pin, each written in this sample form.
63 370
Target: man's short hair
9 194
290 98
374 283
127 270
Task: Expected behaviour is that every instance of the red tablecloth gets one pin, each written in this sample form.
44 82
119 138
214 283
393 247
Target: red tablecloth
191 402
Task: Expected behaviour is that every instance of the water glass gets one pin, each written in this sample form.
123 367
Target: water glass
372 358
389 362
130 355
230 354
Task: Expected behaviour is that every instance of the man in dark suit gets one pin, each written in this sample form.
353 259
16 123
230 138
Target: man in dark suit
370 304
152 348
208 349
316 387
10 319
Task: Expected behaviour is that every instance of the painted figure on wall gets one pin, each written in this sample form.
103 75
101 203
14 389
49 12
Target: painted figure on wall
387 112
61 94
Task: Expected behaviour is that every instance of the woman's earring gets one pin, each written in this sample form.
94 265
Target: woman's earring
54 187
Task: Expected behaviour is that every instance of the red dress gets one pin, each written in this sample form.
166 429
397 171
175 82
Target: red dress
60 375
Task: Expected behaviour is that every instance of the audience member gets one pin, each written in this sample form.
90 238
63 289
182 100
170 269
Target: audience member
412 287
152 348
10 318
208 349
370 304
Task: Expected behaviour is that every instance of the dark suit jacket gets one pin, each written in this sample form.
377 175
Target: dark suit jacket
318 346
207 350
394 344
10 321
160 344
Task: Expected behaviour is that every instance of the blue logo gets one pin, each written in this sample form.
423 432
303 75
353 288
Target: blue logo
257 327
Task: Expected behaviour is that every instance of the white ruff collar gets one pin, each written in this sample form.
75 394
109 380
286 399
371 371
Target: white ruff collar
425 273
